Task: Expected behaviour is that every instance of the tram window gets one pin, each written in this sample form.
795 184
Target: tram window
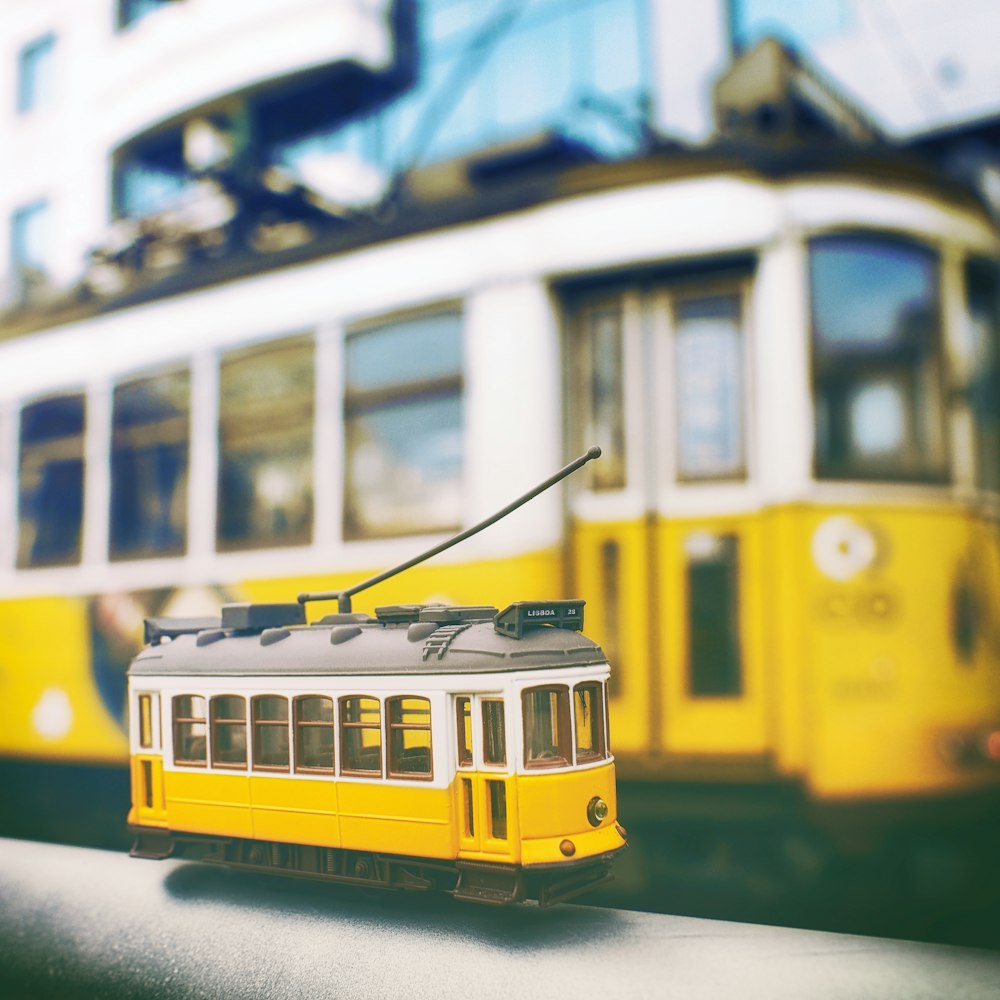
145 721
360 736
588 710
498 809
547 729
708 346
229 731
189 730
150 435
982 293
602 390
715 667
314 733
494 733
270 732
266 405
409 722
463 720
403 427
876 360
50 498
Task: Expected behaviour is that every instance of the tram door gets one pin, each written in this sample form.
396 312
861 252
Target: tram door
664 544
486 807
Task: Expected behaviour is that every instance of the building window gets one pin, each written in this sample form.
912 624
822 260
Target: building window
189 730
547 727
588 709
270 732
578 69
50 495
150 174
36 74
801 26
708 362
229 731
29 246
131 11
409 723
314 734
360 736
877 360
403 427
151 424
266 408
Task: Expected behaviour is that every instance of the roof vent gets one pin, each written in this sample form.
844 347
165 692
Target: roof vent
520 616
256 617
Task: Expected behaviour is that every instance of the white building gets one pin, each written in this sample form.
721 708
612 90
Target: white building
110 107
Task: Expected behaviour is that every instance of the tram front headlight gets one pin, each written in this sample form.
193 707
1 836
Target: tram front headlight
597 811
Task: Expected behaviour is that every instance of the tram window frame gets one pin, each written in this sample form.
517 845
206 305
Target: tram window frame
981 280
379 389
598 750
600 388
398 727
560 720
728 359
184 738
303 727
349 755
905 366
262 727
52 472
138 453
246 517
145 720
231 726
494 713
463 732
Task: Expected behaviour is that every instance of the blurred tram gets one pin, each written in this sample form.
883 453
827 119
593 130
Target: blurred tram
790 551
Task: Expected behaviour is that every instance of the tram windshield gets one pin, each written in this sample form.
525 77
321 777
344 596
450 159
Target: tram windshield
876 360
558 735
982 293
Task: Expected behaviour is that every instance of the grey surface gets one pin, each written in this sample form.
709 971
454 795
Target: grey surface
85 923
379 648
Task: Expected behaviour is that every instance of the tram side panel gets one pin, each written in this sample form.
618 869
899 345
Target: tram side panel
902 650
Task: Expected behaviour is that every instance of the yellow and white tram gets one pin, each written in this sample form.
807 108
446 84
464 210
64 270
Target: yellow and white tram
429 747
790 552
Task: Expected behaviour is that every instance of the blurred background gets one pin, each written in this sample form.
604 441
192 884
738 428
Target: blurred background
292 289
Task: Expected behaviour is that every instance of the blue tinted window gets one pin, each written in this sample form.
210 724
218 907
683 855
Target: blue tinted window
50 471
982 328
876 359
492 72
130 11
149 465
403 427
795 24
29 237
35 73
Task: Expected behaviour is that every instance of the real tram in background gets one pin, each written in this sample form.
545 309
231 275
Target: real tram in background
790 551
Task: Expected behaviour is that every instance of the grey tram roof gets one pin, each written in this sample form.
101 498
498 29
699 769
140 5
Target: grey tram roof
410 640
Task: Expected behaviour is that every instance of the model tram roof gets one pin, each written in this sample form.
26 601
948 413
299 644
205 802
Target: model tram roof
406 640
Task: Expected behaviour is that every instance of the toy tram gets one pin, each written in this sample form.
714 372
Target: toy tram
429 747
